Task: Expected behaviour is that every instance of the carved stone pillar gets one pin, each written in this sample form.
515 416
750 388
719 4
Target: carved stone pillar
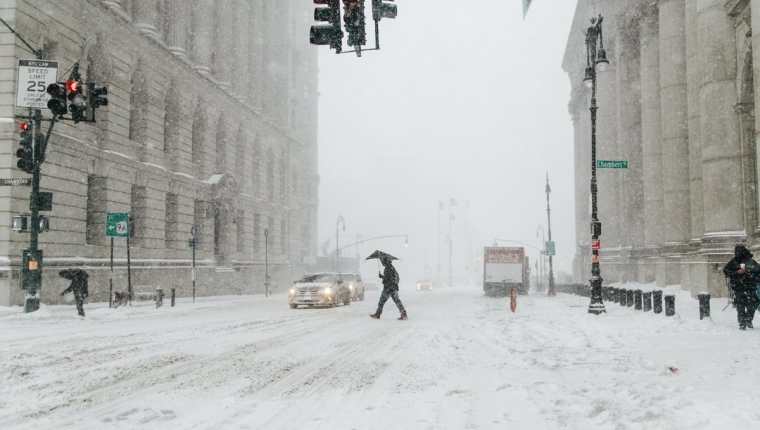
721 148
650 135
178 14
203 35
146 17
675 135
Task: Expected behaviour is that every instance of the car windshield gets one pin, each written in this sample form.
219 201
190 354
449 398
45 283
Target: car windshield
319 277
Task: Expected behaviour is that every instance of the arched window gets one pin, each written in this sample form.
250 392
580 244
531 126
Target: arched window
199 138
172 122
270 175
221 146
138 105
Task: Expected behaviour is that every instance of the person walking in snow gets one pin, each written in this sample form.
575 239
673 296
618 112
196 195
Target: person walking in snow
743 274
390 289
78 286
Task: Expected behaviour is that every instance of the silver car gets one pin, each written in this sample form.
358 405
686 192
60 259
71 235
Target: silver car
355 285
319 289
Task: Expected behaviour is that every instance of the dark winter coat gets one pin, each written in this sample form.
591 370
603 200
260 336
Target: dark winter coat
747 280
390 278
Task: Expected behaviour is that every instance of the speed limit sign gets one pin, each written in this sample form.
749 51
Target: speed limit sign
34 76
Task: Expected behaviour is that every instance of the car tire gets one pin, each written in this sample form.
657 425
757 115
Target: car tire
361 297
292 306
347 301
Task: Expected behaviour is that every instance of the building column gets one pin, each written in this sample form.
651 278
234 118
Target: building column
629 139
721 149
755 23
241 48
675 135
177 31
203 35
146 17
225 40
651 142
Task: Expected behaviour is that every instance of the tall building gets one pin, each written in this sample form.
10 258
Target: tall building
678 102
212 122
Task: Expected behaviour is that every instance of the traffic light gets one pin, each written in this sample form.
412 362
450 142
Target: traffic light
353 18
77 102
57 103
25 153
96 96
330 33
383 9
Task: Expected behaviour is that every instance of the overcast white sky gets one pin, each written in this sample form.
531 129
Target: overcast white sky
466 101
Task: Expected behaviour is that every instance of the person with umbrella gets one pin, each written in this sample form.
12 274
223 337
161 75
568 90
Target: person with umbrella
390 284
78 286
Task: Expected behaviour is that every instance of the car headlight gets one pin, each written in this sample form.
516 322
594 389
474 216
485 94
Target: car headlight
292 291
327 291
351 287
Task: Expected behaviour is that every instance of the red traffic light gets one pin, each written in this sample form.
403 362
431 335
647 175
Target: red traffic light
24 126
72 86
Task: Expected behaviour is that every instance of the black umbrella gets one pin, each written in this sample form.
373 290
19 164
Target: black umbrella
381 255
72 274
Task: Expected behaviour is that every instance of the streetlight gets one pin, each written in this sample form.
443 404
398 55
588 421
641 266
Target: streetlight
550 248
541 255
340 222
193 243
266 262
595 59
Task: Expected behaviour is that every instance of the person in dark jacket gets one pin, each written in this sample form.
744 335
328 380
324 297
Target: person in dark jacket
390 289
78 286
743 274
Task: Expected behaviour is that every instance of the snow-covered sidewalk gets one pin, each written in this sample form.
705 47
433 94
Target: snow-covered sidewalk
461 362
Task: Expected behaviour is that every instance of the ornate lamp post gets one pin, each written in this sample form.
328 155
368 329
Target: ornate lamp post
550 252
596 59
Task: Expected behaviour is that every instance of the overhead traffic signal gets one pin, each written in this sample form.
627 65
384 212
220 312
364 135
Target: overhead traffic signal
383 9
96 96
77 102
25 153
57 103
330 33
353 18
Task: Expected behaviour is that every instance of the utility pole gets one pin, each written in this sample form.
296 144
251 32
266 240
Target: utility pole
438 238
551 249
65 97
266 262
340 222
451 247
193 246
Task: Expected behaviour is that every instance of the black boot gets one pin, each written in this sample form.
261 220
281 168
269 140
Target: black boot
375 316
403 316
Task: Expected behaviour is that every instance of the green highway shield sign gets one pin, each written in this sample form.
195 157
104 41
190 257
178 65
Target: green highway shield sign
611 164
117 224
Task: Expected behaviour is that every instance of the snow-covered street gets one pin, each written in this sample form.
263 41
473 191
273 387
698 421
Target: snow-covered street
460 362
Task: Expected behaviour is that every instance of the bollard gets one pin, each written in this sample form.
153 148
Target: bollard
647 301
606 293
637 299
670 305
174 294
629 298
159 297
657 301
704 305
613 295
623 296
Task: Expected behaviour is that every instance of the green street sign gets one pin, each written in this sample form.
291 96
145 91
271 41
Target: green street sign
117 224
551 248
611 164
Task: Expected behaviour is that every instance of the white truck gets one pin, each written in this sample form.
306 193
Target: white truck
505 268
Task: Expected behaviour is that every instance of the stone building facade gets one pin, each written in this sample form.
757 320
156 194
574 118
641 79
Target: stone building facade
212 122
678 102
